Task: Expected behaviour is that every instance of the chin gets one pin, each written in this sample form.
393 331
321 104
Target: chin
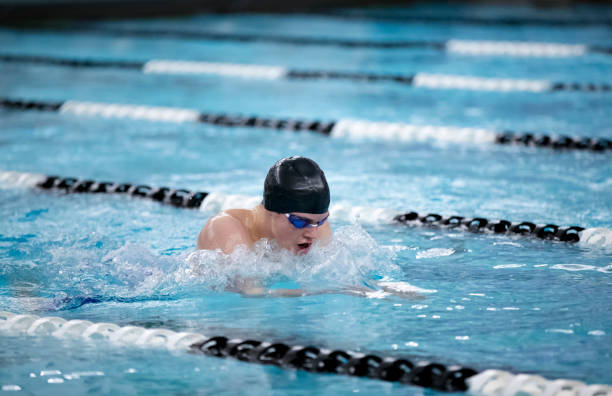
302 249
302 252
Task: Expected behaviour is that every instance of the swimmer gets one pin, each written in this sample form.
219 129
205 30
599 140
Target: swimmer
294 212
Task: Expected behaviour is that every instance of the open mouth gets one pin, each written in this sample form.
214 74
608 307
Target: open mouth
304 246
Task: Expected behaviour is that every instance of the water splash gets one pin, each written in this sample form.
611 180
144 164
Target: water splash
351 259
434 252
81 274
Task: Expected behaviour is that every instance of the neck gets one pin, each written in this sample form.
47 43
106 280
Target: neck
261 227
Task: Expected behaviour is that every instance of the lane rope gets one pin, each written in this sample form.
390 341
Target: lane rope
455 46
209 202
463 19
453 378
249 71
345 128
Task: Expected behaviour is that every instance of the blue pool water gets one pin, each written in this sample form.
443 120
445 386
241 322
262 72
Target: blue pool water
517 304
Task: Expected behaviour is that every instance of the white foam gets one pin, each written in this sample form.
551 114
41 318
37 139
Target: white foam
20 179
223 69
79 374
434 252
366 130
500 266
447 81
150 113
508 244
561 331
515 48
403 288
50 372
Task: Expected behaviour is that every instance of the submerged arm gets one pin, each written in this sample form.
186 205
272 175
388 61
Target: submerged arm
253 288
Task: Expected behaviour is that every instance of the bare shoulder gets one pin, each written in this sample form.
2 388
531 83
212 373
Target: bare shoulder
225 231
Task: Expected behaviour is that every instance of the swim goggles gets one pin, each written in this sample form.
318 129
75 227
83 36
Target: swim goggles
300 222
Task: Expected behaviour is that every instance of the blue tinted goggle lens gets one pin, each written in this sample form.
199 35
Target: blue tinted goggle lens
300 222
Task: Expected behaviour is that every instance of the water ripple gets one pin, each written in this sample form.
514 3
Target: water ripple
573 267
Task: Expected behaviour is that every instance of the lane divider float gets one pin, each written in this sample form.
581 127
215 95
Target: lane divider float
454 46
346 128
249 71
453 378
183 198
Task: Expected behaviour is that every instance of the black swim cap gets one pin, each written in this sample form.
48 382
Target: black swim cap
296 184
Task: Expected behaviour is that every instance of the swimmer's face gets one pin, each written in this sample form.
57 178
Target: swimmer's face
297 240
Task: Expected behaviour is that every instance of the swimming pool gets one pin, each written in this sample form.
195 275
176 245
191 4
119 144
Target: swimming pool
490 301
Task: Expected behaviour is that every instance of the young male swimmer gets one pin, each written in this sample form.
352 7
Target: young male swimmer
294 212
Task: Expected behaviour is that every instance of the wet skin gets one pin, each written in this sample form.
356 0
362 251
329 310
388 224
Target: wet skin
235 227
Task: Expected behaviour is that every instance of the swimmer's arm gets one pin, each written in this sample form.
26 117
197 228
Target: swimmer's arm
250 287
262 292
255 289
223 232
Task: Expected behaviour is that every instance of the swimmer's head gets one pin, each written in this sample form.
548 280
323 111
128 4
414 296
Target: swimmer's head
296 196
296 184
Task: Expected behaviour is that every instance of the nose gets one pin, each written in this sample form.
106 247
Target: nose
311 232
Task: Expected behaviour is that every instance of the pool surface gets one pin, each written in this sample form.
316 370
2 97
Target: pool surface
482 300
